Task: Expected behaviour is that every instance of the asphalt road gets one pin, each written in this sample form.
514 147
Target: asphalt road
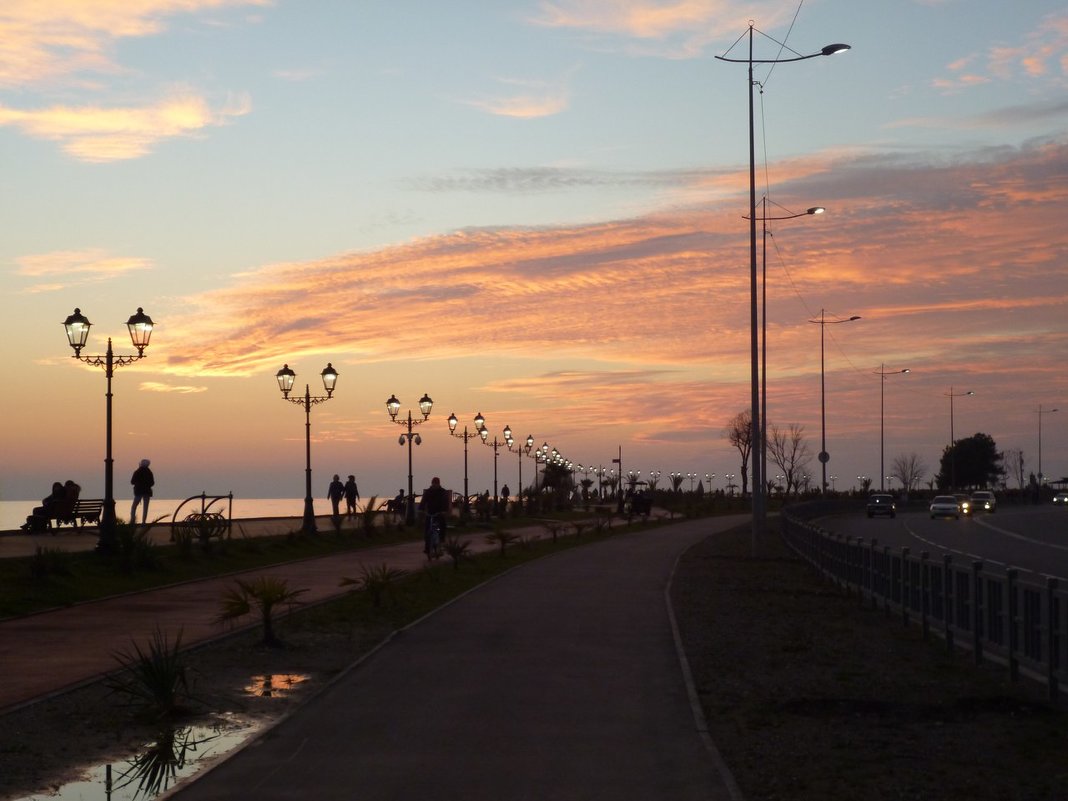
1029 538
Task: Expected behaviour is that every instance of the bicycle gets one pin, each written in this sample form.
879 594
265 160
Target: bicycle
433 536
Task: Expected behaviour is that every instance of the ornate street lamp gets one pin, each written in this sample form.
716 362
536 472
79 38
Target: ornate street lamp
285 378
522 450
466 437
882 372
77 328
483 434
759 503
825 457
393 407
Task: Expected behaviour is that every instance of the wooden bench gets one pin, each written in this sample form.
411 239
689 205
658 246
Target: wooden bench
86 511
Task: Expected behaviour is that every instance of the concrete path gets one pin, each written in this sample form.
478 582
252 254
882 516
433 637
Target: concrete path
559 680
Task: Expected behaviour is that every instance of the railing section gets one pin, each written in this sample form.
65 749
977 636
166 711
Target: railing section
1018 623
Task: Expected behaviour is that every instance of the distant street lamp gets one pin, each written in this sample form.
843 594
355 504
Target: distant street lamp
759 503
882 372
393 406
691 476
730 483
824 456
708 480
952 438
453 422
483 433
522 450
1041 412
285 378
140 328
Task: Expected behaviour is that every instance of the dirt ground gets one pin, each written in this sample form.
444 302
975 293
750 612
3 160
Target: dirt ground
808 696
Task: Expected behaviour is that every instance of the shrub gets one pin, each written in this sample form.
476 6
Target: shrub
503 539
134 549
156 679
47 562
457 550
368 516
377 582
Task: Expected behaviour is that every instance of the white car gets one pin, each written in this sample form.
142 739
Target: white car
1061 498
945 506
984 501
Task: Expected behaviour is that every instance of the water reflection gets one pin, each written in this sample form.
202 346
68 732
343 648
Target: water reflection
175 754
275 685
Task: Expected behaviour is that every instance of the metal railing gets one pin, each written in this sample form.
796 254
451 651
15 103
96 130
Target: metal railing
1018 622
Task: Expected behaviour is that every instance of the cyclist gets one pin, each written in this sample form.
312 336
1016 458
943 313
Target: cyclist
435 506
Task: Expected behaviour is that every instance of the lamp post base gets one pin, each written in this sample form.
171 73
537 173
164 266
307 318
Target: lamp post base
308 526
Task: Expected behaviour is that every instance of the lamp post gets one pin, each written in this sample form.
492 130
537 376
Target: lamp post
285 378
762 445
521 450
882 372
730 483
1041 412
466 437
708 480
691 476
654 479
825 457
952 438
393 406
483 433
759 507
140 328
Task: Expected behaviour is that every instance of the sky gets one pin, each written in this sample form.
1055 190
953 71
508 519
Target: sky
532 209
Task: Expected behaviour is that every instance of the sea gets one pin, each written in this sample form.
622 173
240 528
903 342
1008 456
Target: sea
13 513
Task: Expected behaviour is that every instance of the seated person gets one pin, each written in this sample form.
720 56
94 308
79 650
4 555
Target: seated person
38 518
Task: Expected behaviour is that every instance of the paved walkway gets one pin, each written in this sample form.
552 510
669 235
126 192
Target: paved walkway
559 680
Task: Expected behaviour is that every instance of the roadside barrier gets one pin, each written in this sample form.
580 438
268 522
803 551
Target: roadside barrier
1019 622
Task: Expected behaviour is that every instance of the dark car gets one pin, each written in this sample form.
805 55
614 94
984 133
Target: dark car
881 505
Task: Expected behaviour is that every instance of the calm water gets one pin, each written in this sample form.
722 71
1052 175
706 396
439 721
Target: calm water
13 513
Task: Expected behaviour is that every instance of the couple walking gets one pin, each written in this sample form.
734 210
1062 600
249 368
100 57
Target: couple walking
347 491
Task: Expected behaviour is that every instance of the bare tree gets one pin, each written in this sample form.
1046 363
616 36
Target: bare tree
909 469
788 449
739 432
1014 466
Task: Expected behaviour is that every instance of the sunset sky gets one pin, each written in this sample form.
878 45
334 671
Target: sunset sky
532 210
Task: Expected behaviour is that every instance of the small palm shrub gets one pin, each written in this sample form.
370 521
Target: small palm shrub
154 679
555 528
503 539
377 582
457 549
368 517
264 593
134 549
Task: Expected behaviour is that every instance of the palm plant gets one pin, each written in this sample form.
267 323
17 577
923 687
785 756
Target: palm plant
377 582
264 593
156 678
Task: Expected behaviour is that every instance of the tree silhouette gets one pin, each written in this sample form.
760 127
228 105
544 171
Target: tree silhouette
971 462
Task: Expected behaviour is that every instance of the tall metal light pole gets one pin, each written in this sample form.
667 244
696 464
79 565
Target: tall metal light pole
882 372
759 506
285 378
522 450
1041 412
952 436
824 456
140 328
393 406
761 447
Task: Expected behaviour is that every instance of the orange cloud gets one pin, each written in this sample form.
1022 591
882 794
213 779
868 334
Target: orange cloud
537 99
76 267
96 134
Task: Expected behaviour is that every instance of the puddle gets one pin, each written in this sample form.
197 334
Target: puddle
173 755
275 685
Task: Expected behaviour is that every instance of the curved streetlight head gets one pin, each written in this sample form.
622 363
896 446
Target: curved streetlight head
507 433
833 49
453 422
393 406
480 421
854 317
530 441
77 331
425 405
285 377
815 210
140 326
329 375
906 370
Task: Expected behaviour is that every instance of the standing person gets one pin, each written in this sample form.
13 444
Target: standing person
335 493
352 495
143 481
505 492
436 503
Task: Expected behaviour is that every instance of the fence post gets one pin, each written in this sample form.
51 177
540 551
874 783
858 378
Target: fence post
1014 663
873 574
1052 637
889 579
977 611
905 587
925 590
947 599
